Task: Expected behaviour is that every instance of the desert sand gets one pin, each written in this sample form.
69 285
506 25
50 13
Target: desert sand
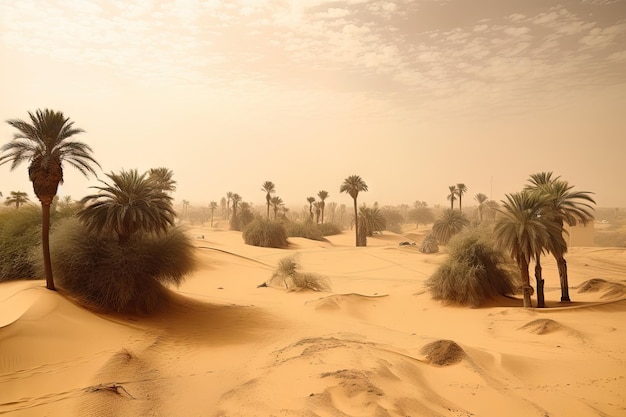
377 345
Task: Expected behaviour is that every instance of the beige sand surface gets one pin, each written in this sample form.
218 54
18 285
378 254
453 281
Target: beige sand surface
377 345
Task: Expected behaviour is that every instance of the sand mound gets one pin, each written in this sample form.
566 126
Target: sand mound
342 301
543 326
443 353
611 289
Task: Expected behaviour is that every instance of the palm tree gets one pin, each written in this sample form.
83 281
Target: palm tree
353 185
563 205
522 231
318 211
212 207
45 143
185 208
323 195
223 206
311 200
269 188
164 178
17 198
234 221
481 199
374 220
276 203
449 224
229 197
460 190
129 204
452 196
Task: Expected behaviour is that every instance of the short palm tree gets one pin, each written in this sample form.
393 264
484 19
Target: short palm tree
563 206
269 188
17 198
323 195
452 196
276 202
130 203
311 200
449 224
186 205
352 186
374 220
45 142
524 234
460 190
480 199
212 207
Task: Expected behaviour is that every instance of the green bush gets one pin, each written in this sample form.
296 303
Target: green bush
288 276
20 234
265 233
110 277
474 271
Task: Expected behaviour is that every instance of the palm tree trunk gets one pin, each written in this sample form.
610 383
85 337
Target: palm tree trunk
526 288
356 224
562 264
541 301
45 244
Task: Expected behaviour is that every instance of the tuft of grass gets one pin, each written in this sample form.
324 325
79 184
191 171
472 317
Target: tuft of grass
474 271
20 234
265 233
287 274
127 278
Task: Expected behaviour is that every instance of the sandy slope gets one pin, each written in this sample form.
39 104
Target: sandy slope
376 346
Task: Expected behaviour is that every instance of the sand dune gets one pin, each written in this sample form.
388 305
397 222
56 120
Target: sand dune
377 345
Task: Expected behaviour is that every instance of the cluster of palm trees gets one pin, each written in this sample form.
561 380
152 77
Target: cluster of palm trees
532 223
272 201
319 206
457 191
127 204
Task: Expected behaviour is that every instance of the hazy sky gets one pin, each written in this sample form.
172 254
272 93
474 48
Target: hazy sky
413 96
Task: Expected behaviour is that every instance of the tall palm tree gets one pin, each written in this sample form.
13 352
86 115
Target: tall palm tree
212 207
460 190
452 196
45 142
130 203
563 206
269 188
449 224
481 199
229 197
323 195
311 200
352 186
185 208
276 203
17 198
522 231
234 221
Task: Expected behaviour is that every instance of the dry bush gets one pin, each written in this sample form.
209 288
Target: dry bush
287 275
474 271
126 278
265 233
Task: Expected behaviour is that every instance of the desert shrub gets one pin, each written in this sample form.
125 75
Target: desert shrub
287 275
20 234
429 244
329 229
306 229
474 271
265 233
111 277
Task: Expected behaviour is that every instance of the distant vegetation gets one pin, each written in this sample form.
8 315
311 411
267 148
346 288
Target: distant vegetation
20 234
